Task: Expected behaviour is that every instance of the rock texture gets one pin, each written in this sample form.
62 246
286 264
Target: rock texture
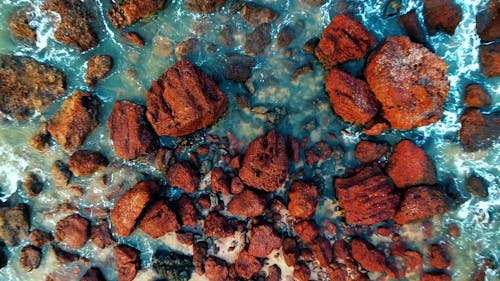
127 12
127 261
369 151
86 162
489 59
257 40
254 14
488 22
14 224
183 100
93 274
476 96
98 67
442 15
183 176
409 22
479 131
204 6
29 258
237 67
304 198
158 220
409 81
73 231
419 203
246 204
263 241
247 265
368 256
19 26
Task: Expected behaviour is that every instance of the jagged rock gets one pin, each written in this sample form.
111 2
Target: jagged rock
488 22
442 15
419 203
98 67
127 12
489 59
479 131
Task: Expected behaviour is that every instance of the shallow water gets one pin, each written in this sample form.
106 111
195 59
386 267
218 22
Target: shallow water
304 101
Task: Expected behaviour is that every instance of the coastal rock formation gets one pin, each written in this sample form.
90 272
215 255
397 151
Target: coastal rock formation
204 6
85 162
419 203
75 28
304 198
265 164
27 86
75 120
183 176
409 81
246 204
19 26
14 224
98 67
442 15
369 151
479 131
127 12
127 261
131 134
183 100
489 59
475 96
254 14
158 220
488 22
351 98
72 231
342 40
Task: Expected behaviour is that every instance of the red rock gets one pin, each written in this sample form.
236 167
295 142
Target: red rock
183 176
183 100
185 237
101 235
478 131
376 127
127 262
442 15
86 162
217 226
98 67
488 22
410 166
127 12
162 159
453 230
263 241
131 38
350 97
39 238
318 152
273 273
246 204
489 59
385 231
369 151
93 274
265 165
237 185
322 251
409 22
19 25
254 14
419 203
413 261
129 130
367 256
72 231
200 252
29 258
75 120
301 272
306 230
341 250
187 211
476 96
397 248
204 6
216 269
158 220
409 103
290 251
247 265
342 40
435 277
439 256
130 206
293 149
304 198
219 181
367 197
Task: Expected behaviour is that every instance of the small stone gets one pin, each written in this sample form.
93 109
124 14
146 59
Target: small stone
183 176
306 230
158 220
369 151
127 262
304 198
257 40
217 226
237 68
285 36
204 6
60 173
488 22
187 49
132 38
247 265
86 162
442 15
41 140
29 258
39 238
92 274
263 241
439 256
489 59
246 204
101 235
226 36
310 45
409 22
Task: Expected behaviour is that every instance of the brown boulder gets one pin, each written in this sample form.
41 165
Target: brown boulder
183 176
247 265
413 261
158 220
204 6
263 241
273 273
19 25
265 164
435 277
477 186
73 231
257 40
439 256
488 22
290 251
60 173
93 274
85 162
219 181
98 67
130 206
237 67
254 14
306 230
75 120
419 203
246 204
479 131
369 151
39 238
442 15
186 211
318 152
301 272
489 59
342 40
322 251
476 96
351 98
29 258
101 235
127 12
32 184
395 72
409 23
129 130
183 100
368 256
127 262
132 38
217 226
304 198
41 140
216 269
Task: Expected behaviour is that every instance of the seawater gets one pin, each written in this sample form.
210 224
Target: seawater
304 101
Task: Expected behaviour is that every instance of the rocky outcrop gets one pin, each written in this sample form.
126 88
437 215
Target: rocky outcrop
98 67
479 131
488 22
127 12
475 96
158 220
19 26
304 198
489 59
127 261
27 86
183 100
409 81
72 231
204 6
442 15
342 40
419 203
14 224
86 162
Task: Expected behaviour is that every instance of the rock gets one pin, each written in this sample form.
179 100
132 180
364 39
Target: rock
246 204
187 49
479 131
285 36
315 2
442 15
263 241
435 277
204 6
93 274
408 166
183 100
216 269
392 8
257 40
376 127
183 176
322 251
41 140
27 86
237 186
419 203
310 45
489 59
409 23
172 266
320 151
409 103
368 256
247 265
304 198
158 220
217 226
303 69
73 231
63 256
273 273
226 36
86 162
367 196
75 28
306 230
163 158
39 238
132 38
369 151
75 120
439 256
101 235
254 14
342 40
200 252
130 206
29 258
219 181
351 98
237 68
19 25
32 184
477 186
476 96
186 211
413 261
290 251
14 224
265 164
488 22
60 173
98 67
301 272
127 12
127 262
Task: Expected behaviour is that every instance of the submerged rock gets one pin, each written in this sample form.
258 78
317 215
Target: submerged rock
419 203
488 22
476 96
41 140
237 67
19 26
392 8
39 238
132 38
254 14
127 12
204 6
128 262
440 256
285 36
98 67
14 224
27 86
477 186
409 81
409 22
60 173
85 162
172 266
489 59
479 131
257 40
442 15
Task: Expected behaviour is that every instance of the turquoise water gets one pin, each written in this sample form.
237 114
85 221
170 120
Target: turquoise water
304 101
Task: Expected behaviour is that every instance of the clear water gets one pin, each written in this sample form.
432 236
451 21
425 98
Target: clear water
303 99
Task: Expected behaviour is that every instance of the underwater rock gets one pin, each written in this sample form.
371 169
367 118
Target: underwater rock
489 59
247 265
75 120
306 230
315 2
246 204
304 198
310 45
19 25
27 86
263 241
101 235
29 258
127 262
254 14
488 22
442 15
216 269
14 224
131 134
342 40
127 12
73 231
285 36
419 203
172 266
237 67
39 238
408 103
187 49
217 226
320 151
93 274
132 38
413 261
183 100
60 173
265 164
158 220
32 184
204 6
479 131
475 96
75 28
409 23
41 140
183 176
98 67
367 196
477 186
86 162
369 151
351 98
186 211
392 8
368 256
257 40
226 35
439 256
129 207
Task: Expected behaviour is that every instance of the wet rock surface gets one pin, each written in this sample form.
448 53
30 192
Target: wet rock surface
101 235
409 22
93 274
247 265
86 162
442 15
478 131
39 238
19 26
237 67
439 256
33 184
98 67
182 175
127 12
127 262
489 59
477 186
488 22
368 256
217 226
419 203
475 96
14 224
254 14
132 38
72 231
204 6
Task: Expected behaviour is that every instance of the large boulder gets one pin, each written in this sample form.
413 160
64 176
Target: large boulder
488 22
442 15
420 203
479 131
183 100
409 22
409 81
127 12
489 59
